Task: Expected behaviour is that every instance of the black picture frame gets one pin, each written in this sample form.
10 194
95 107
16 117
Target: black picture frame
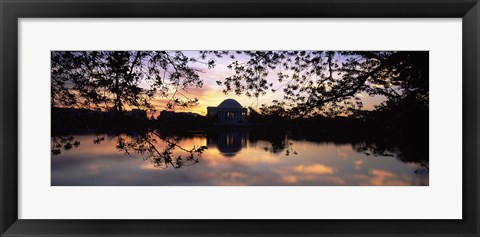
11 11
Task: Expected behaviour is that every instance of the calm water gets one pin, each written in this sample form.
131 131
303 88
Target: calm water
232 158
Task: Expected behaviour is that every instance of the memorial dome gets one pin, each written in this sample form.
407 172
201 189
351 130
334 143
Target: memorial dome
230 103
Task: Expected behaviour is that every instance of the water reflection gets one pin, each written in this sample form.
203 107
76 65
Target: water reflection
231 157
64 143
228 141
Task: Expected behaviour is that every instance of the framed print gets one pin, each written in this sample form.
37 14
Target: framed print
239 118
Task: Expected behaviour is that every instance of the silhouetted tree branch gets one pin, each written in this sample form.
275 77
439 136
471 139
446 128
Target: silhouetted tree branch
113 80
325 82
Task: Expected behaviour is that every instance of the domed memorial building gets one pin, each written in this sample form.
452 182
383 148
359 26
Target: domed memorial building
228 112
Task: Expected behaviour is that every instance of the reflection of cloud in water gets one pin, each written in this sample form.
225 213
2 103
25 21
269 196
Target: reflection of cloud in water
316 164
358 164
383 177
342 150
314 169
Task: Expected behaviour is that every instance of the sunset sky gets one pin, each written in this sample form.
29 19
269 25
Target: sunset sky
211 94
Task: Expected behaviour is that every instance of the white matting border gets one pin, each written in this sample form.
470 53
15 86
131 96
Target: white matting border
441 200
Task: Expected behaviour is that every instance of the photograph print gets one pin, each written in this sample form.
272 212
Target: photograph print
239 118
